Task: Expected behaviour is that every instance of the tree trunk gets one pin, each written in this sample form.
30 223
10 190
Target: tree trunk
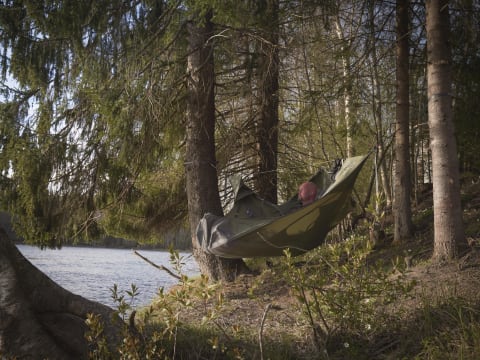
200 165
38 318
402 206
448 225
347 85
377 112
267 98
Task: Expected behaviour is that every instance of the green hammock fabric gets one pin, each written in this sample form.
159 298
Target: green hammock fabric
257 228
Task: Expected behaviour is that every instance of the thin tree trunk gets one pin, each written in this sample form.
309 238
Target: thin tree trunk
402 205
448 225
38 318
377 110
382 166
347 87
200 165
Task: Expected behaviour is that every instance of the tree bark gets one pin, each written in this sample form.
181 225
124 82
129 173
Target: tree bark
38 318
377 103
402 204
347 85
267 99
200 165
448 225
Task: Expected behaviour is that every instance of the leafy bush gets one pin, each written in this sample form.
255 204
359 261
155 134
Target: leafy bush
345 301
343 296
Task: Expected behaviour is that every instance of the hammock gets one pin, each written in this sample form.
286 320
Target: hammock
257 228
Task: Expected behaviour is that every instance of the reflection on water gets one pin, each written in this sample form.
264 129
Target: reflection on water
92 272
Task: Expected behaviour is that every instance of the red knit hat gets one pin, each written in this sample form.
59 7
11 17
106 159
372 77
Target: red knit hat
307 192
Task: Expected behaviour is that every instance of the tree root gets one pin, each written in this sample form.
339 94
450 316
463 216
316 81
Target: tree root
39 318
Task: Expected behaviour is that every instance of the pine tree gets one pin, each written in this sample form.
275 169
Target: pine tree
448 224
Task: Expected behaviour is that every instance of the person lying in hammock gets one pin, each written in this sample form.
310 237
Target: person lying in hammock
307 193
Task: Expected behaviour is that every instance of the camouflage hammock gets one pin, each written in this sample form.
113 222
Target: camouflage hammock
256 228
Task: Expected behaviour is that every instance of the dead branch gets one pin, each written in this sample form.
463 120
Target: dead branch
260 333
160 267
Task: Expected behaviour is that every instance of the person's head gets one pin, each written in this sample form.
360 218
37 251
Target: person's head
307 193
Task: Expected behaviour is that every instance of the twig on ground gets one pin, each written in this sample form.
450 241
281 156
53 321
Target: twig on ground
260 333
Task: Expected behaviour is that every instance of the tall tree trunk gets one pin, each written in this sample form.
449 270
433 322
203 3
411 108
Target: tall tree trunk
402 205
377 111
347 85
200 165
267 97
382 165
448 225
38 318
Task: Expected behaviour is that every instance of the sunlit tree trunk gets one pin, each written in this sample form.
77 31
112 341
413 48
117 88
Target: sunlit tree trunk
200 159
347 88
448 225
402 205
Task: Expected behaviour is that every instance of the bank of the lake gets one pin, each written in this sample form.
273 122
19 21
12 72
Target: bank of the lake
92 272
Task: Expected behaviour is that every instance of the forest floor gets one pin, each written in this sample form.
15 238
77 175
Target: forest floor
265 308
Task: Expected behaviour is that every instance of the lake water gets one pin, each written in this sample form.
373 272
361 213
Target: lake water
92 272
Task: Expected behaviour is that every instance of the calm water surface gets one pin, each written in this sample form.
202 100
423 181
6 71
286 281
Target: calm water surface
92 272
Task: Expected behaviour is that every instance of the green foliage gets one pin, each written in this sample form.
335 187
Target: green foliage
159 332
346 302
465 49
98 348
154 208
100 86
450 329
100 122
376 210
342 295
342 298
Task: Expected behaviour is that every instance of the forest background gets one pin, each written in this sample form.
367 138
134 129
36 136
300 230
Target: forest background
95 95
126 118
